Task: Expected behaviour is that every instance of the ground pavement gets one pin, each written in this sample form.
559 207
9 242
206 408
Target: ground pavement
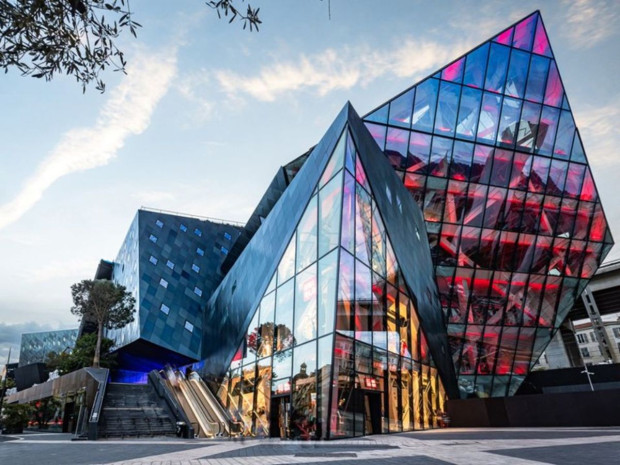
458 446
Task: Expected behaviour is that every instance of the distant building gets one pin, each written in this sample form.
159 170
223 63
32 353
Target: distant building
589 346
35 346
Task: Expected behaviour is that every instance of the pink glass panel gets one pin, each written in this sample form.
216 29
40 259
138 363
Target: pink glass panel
599 225
524 32
454 72
541 42
555 91
505 37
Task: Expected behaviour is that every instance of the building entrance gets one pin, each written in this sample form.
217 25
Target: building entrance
372 413
279 417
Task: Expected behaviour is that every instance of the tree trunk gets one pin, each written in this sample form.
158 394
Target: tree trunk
98 346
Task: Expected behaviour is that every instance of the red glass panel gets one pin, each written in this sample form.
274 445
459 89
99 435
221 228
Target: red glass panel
591 259
505 354
547 308
479 297
542 254
461 289
566 219
506 250
582 220
469 356
549 214
574 180
532 301
476 203
599 225
588 190
574 257
539 174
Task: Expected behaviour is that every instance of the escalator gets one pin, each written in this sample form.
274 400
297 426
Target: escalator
207 416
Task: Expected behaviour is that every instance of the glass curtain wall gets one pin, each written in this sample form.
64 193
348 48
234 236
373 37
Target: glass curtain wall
488 148
335 349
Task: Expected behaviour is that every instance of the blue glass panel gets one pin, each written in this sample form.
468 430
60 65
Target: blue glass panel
496 69
528 127
489 116
447 107
396 147
577 154
378 133
349 158
524 33
460 166
363 214
425 103
475 67
481 165
306 236
305 305
509 122
329 214
564 137
401 109
380 115
284 315
517 73
441 153
327 292
546 130
469 111
539 67
419 150
453 72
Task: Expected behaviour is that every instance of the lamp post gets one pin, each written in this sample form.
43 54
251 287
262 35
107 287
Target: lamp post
588 373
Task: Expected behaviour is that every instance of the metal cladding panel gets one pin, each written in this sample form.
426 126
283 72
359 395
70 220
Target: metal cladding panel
232 305
171 265
406 228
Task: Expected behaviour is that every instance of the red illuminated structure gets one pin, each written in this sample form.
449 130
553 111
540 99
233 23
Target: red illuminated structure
489 149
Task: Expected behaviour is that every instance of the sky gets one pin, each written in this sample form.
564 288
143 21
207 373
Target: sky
208 112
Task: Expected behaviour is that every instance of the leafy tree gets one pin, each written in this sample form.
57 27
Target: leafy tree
82 355
44 37
15 417
105 303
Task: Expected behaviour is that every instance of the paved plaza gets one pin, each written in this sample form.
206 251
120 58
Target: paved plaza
479 446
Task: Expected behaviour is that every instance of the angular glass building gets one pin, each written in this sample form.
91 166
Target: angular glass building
489 149
428 250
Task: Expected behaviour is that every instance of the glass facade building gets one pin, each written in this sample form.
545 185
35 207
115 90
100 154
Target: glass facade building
428 250
35 347
489 149
341 337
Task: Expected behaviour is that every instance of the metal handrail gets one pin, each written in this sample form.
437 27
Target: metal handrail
95 413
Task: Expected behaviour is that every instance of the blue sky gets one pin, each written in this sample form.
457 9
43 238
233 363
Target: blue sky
208 112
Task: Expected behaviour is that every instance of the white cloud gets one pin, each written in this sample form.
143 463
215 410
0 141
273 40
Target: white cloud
599 129
127 112
191 87
60 269
590 21
339 69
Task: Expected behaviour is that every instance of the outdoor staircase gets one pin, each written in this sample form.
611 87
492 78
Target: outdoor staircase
133 410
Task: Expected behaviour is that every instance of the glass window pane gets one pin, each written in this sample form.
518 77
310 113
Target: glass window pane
284 315
401 109
396 147
546 130
425 103
329 215
419 151
527 136
447 108
363 225
517 73
336 160
496 69
346 298
489 116
468 113
305 305
509 122
475 67
286 268
363 303
537 78
327 292
347 239
441 154
564 138
306 236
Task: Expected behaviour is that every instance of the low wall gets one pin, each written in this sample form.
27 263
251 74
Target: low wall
85 378
598 408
